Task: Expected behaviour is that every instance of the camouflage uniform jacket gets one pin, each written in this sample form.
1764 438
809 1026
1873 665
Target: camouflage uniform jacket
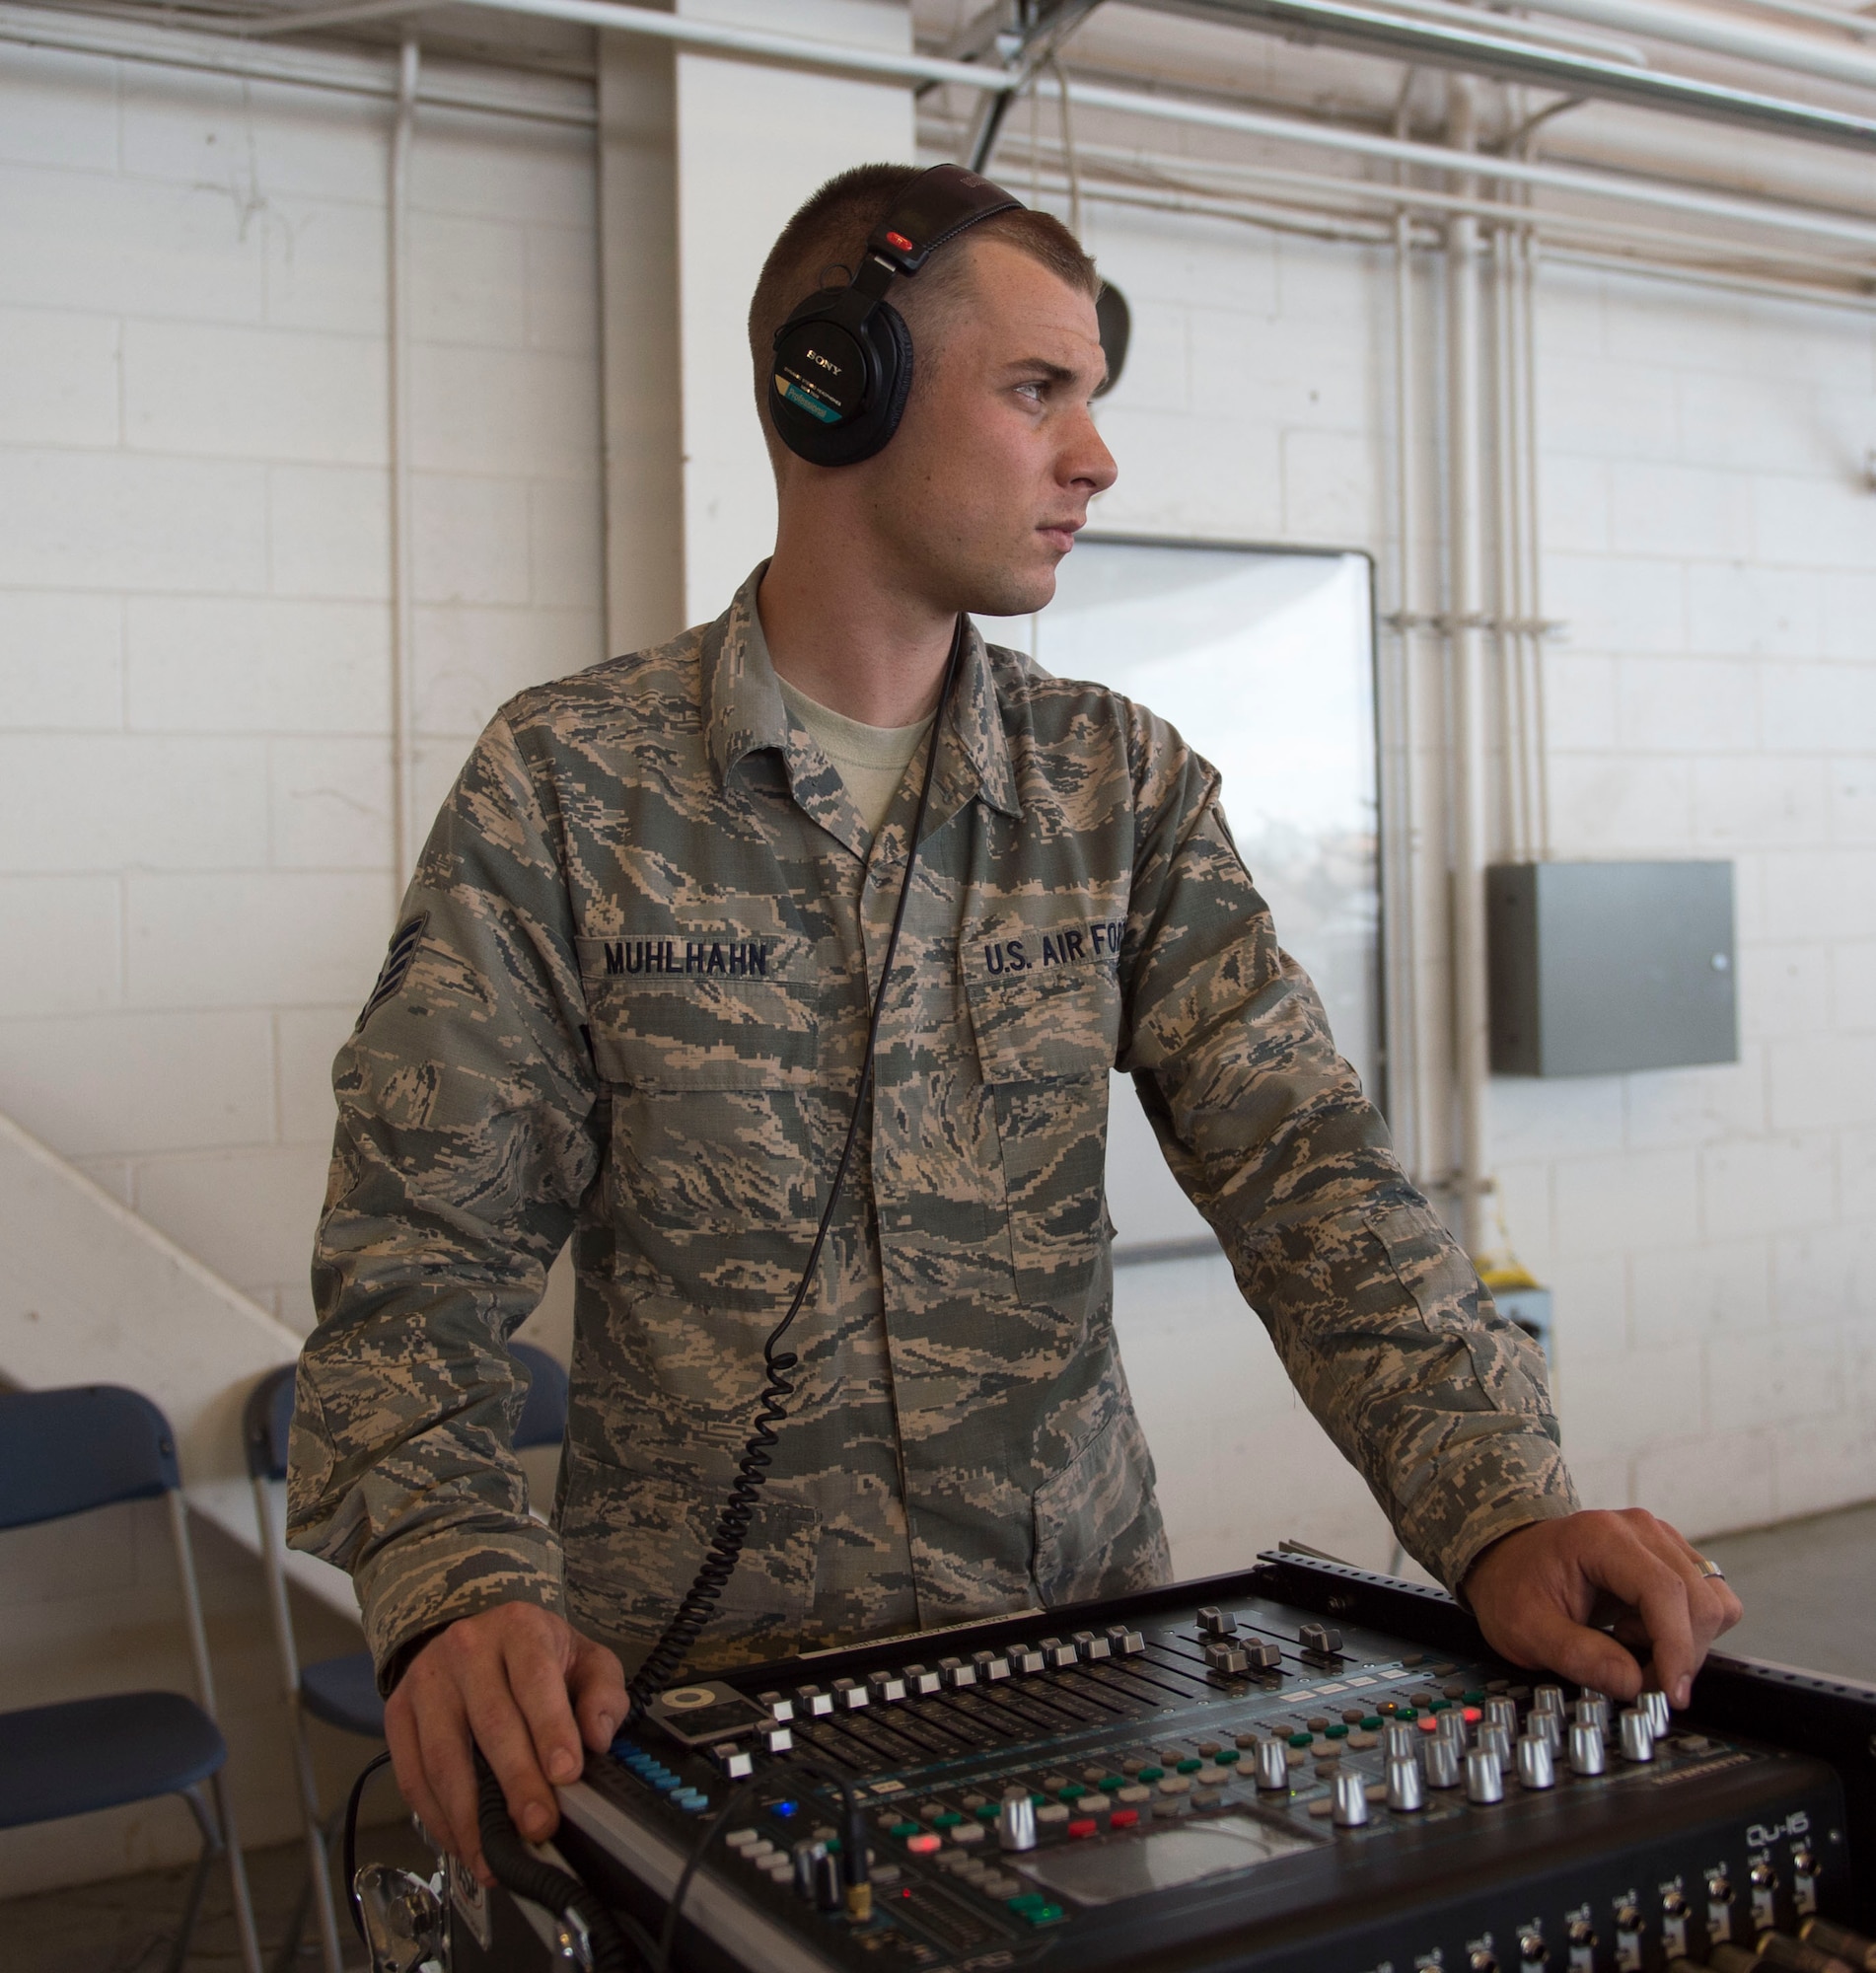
628 1002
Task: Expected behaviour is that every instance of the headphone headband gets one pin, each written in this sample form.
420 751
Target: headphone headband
844 358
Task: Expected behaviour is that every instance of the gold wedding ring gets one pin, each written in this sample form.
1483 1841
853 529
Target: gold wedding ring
1712 1570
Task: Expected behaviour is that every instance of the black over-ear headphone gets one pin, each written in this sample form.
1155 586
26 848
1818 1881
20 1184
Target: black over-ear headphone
843 359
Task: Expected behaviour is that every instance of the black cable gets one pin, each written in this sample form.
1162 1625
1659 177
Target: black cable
814 1769
517 1868
739 1507
350 1851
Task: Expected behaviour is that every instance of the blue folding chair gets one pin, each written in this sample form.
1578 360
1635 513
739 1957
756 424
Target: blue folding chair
67 1453
343 1691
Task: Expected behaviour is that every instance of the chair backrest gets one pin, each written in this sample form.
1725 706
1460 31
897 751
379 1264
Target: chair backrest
67 1452
544 1413
267 1416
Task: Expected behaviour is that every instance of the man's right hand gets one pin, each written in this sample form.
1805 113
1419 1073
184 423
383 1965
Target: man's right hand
529 1689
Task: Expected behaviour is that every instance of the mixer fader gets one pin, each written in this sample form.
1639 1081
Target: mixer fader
1299 1770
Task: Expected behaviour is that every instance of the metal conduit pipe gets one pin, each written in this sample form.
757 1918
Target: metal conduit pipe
492 93
1465 643
1399 925
403 712
1713 34
1574 178
1535 699
704 36
1179 175
1436 41
1341 227
1474 53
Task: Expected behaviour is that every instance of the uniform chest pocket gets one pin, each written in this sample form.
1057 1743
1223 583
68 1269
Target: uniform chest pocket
1046 1041
711 1176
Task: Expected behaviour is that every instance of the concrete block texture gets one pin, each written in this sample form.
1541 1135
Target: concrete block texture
195 685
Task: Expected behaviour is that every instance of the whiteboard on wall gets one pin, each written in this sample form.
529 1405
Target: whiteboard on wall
1264 660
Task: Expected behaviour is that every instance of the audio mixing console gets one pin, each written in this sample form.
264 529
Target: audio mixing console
1302 1769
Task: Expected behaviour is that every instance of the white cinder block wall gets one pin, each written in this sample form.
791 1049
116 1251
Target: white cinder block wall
194 856
195 839
1711 538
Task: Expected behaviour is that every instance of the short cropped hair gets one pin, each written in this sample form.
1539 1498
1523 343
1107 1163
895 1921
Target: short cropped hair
821 245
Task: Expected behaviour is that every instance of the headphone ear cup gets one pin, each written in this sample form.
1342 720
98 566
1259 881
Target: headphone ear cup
889 346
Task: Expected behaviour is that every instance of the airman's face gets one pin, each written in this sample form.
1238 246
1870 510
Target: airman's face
983 487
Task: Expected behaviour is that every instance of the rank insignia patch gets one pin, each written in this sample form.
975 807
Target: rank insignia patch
403 949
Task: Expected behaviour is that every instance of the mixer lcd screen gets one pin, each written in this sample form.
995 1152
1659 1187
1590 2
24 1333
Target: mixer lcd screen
1104 1874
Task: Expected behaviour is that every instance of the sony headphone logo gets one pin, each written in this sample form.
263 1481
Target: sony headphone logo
814 356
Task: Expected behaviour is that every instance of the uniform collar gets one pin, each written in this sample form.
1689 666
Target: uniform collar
744 712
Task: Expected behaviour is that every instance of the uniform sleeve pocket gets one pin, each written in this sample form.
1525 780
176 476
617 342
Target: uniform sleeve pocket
1430 1265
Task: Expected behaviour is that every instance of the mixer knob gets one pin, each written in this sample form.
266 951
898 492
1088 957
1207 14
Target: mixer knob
814 1703
1261 1653
1226 1658
1503 1712
830 1891
1484 1784
1397 1740
1322 1640
1533 1954
1586 1748
1548 1726
1026 1658
1479 1960
776 1739
1274 1767
1582 1938
1451 1725
1494 1740
1598 1709
920 1681
1057 1655
1537 1769
1637 1736
992 1666
782 1709
1407 1792
1016 1820
957 1674
849 1695
1549 1698
806 1854
1442 1763
1351 1800
1217 1623
1090 1647
1655 1705
887 1686
1128 1644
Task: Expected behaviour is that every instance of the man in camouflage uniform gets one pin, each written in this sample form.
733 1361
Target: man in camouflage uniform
628 1004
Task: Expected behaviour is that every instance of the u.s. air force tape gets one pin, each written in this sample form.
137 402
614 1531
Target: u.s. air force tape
390 976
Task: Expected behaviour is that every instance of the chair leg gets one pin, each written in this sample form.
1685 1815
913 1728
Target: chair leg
318 1861
236 1878
198 1880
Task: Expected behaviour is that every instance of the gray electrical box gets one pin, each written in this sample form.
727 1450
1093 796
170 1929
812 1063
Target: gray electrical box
1602 968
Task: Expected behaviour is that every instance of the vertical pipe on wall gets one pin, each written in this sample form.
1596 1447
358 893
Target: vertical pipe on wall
403 739
1400 835
1465 550
1534 689
1508 548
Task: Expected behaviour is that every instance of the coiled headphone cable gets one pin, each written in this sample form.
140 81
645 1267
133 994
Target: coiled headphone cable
667 1655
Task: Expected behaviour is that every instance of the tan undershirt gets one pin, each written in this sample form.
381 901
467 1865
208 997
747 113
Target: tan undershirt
872 759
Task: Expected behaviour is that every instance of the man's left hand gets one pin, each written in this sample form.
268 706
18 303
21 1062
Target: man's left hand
1538 1591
